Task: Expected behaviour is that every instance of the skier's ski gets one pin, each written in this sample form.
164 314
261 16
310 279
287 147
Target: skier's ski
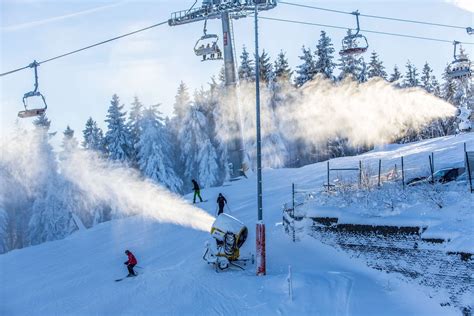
118 280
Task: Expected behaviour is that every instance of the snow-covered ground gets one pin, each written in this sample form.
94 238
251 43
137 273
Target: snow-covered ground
75 276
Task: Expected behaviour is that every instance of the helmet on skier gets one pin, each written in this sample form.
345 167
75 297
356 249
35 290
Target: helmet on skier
127 251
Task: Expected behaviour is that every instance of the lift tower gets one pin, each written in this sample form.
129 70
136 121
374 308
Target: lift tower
226 10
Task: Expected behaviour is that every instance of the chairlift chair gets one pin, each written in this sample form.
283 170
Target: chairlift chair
207 46
354 44
461 66
35 93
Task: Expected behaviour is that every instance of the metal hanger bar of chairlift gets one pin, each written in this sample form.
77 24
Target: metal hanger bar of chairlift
363 30
374 16
87 47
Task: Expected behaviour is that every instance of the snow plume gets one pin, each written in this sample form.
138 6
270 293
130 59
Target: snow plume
239 106
123 189
370 113
27 160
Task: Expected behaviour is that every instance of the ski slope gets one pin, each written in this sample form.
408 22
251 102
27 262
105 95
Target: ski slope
75 276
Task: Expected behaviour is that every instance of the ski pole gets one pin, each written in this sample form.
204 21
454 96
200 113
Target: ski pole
230 212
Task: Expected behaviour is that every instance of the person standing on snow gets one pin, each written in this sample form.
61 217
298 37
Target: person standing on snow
131 262
221 201
197 191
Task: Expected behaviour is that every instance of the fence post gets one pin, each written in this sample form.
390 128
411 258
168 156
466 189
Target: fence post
380 169
468 170
432 161
360 173
290 284
403 175
293 198
328 176
431 169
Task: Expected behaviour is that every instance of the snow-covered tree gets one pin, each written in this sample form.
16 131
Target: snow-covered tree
324 56
93 136
376 67
265 68
198 154
306 71
117 138
153 151
282 69
352 65
246 69
69 143
49 219
133 124
182 102
460 93
411 76
396 76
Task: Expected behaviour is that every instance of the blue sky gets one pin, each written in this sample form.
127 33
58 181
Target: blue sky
151 64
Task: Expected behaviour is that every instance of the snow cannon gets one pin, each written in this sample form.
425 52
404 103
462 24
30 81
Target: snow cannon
229 235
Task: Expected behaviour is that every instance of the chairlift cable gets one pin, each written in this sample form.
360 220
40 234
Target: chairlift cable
363 30
85 48
374 16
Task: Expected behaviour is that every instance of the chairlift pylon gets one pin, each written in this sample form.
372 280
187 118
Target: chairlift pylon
207 46
354 44
461 66
35 93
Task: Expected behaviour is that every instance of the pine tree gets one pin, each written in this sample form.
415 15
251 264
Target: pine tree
133 125
411 76
49 219
246 69
265 68
324 54
42 122
396 76
93 136
198 154
306 71
376 67
154 152
460 93
282 68
352 65
182 102
69 143
117 138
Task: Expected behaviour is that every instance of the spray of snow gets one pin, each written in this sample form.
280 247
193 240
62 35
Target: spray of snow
370 113
100 181
124 189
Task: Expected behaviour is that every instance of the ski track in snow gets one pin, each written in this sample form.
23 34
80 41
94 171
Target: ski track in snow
75 276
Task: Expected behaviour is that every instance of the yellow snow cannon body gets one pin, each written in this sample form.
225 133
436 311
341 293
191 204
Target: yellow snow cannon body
229 234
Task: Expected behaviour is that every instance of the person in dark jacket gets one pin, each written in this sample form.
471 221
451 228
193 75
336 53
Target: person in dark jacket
131 262
197 191
221 201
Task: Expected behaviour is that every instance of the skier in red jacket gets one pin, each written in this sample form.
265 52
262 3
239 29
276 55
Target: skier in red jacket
131 262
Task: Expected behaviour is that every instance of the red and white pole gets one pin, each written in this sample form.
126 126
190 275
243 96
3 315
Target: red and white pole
260 249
